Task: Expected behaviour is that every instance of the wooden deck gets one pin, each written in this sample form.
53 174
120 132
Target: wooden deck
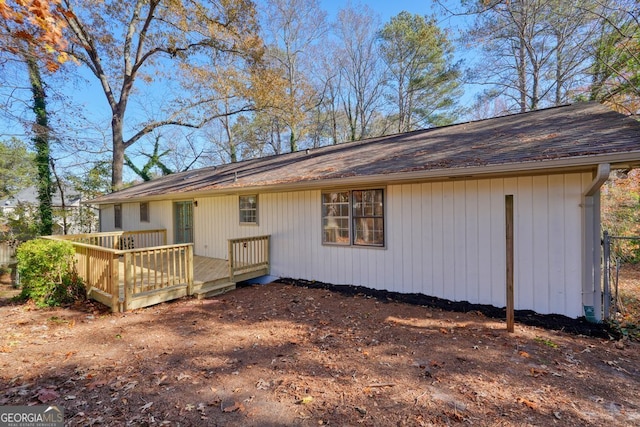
121 271
209 275
208 270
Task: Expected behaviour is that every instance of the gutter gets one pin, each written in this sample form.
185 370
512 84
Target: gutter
591 295
604 169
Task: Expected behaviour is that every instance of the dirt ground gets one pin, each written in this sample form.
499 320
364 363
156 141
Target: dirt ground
282 354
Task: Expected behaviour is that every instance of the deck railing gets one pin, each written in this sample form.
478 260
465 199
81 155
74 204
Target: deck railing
121 272
157 274
120 240
130 275
248 255
99 269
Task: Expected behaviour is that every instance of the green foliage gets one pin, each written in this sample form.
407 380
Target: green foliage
154 161
546 342
424 78
616 64
20 223
17 167
47 273
625 329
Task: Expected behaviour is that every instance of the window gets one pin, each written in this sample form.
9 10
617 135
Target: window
144 211
353 218
117 216
248 209
335 218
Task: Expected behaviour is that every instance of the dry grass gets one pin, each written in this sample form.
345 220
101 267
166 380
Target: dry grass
628 319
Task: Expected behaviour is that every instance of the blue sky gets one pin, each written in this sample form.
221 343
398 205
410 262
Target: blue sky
90 95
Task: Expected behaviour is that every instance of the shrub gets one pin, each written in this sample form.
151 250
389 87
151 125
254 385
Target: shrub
47 272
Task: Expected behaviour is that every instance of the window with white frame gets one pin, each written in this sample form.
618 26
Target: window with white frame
144 211
248 206
354 217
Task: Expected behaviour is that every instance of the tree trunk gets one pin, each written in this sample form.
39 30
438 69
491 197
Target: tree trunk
63 203
117 163
41 142
522 76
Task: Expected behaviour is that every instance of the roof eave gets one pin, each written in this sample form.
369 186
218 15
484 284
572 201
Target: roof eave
626 160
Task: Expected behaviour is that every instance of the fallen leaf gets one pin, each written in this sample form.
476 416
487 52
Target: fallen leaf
189 407
524 354
47 395
96 383
537 372
528 403
262 384
305 400
146 406
130 385
237 406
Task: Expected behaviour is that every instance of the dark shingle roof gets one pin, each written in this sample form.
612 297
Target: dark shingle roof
532 140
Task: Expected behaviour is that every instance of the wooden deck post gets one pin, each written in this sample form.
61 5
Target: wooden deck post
114 282
267 254
508 203
189 271
231 261
128 279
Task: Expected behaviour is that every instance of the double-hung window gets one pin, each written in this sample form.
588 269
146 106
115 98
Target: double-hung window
354 217
248 206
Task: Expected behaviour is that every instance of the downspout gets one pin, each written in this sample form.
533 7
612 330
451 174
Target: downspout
591 290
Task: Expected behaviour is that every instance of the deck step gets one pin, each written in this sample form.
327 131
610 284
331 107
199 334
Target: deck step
208 290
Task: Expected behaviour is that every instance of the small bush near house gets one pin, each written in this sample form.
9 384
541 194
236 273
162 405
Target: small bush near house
47 273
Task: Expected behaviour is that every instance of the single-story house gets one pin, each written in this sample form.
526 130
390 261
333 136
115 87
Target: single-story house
418 212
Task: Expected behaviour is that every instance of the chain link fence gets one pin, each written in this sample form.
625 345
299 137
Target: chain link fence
621 273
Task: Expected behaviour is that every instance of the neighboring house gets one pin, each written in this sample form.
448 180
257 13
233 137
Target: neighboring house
420 212
72 214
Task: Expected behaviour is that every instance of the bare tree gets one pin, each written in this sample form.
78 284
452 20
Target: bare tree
535 52
294 27
122 43
361 68
615 72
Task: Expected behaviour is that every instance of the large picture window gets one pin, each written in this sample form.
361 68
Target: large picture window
248 209
353 217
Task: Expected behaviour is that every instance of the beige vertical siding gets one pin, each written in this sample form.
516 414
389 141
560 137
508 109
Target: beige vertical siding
445 239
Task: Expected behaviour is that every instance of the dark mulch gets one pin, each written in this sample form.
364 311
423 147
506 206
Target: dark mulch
579 326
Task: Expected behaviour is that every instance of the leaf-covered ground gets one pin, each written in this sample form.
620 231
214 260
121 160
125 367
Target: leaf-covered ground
280 354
